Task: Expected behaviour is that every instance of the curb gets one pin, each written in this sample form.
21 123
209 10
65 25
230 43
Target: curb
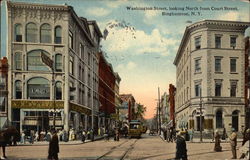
78 142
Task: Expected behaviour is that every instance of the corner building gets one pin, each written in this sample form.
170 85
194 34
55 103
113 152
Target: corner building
72 43
210 74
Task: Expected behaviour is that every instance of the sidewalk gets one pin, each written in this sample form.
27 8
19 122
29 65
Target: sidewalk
197 140
75 142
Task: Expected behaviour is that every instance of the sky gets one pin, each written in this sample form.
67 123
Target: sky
141 39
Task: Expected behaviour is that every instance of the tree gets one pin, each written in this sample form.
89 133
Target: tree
140 112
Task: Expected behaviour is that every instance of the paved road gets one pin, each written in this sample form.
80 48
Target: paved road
148 147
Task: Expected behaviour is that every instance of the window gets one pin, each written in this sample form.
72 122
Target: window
2 82
218 85
233 42
71 40
89 58
217 41
233 87
45 33
58 35
187 73
18 88
197 65
197 42
31 32
217 64
80 72
197 90
81 51
71 65
58 89
58 63
2 104
34 61
232 65
18 61
219 119
18 33
38 88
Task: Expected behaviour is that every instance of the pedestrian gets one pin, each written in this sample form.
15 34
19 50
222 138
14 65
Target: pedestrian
116 134
224 134
36 136
245 153
48 136
181 150
53 147
191 132
23 137
217 147
233 141
31 136
83 135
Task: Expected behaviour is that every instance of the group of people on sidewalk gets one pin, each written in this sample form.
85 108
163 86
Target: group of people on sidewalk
181 149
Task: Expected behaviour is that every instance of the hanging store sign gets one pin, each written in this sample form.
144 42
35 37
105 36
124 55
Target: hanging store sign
46 60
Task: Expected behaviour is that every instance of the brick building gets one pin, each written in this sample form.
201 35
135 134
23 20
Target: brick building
3 92
128 106
107 79
171 100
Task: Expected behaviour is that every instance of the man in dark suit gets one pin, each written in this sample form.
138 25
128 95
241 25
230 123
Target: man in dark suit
181 149
53 146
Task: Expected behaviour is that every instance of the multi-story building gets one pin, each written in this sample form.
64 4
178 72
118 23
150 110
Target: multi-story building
107 80
164 108
118 100
247 76
171 100
210 76
3 92
69 89
127 110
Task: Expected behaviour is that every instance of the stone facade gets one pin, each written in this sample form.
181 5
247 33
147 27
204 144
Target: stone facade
72 43
210 75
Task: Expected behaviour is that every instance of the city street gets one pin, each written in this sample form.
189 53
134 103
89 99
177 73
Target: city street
148 147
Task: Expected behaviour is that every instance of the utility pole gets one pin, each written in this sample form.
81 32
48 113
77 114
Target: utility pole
200 117
159 112
0 27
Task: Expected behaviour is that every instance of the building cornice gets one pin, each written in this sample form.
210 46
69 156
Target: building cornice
215 24
36 6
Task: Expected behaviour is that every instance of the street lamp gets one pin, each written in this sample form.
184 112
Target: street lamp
200 117
49 62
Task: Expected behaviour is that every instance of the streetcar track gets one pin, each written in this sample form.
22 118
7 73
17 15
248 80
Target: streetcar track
111 150
128 150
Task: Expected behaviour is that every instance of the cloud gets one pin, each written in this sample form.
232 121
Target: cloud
234 16
136 42
115 4
129 66
98 12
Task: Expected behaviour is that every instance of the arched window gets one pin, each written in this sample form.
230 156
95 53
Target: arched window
38 88
45 33
235 120
18 89
31 32
58 90
18 61
34 61
58 35
58 63
18 33
219 119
